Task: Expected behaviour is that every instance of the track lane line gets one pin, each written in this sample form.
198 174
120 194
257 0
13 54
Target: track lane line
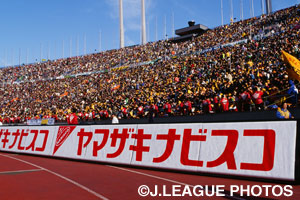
60 176
170 180
20 171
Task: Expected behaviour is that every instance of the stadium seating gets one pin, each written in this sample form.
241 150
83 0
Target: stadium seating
227 69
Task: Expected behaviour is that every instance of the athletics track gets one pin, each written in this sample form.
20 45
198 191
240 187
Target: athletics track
41 178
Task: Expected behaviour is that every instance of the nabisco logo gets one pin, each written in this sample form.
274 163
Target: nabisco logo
62 134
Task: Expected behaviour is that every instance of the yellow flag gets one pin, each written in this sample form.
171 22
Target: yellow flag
293 65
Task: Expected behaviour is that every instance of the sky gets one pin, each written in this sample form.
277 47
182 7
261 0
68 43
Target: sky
32 30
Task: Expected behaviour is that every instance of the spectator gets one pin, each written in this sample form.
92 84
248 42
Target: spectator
115 120
283 113
73 119
245 101
257 96
207 106
167 109
293 91
151 113
216 104
224 104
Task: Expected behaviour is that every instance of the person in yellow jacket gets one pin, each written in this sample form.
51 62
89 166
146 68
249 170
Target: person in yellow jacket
283 113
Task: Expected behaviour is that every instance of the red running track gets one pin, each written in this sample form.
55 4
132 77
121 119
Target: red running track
29 177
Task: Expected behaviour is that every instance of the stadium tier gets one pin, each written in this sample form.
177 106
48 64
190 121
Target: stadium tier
232 68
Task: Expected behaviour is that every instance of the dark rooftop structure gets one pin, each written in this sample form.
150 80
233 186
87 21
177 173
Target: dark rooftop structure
189 32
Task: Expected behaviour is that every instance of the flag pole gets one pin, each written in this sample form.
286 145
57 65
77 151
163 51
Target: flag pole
222 13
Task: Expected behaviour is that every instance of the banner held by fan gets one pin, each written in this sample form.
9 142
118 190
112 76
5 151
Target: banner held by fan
293 65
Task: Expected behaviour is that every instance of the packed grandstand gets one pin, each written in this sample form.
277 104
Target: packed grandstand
232 68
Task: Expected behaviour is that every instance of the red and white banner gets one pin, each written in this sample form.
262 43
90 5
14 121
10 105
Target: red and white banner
258 149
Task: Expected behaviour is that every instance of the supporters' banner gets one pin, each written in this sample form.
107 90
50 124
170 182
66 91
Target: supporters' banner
14 99
64 94
49 121
38 122
294 63
257 149
119 68
115 87
34 122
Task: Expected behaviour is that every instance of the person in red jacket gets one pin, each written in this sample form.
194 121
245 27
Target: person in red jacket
7 120
86 116
18 119
125 112
27 118
12 120
105 114
73 118
140 111
93 115
167 108
188 107
224 104
207 106
245 101
216 104
154 107
54 116
81 115
257 97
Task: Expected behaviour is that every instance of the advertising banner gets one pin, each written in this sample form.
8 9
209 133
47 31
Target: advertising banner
256 149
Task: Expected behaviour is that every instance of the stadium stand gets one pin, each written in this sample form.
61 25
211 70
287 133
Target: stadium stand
236 67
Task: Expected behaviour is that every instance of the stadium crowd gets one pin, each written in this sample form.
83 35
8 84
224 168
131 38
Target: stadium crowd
182 79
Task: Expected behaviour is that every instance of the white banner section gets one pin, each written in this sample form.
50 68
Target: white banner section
256 149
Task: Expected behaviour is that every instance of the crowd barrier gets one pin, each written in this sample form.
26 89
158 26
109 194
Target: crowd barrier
255 149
